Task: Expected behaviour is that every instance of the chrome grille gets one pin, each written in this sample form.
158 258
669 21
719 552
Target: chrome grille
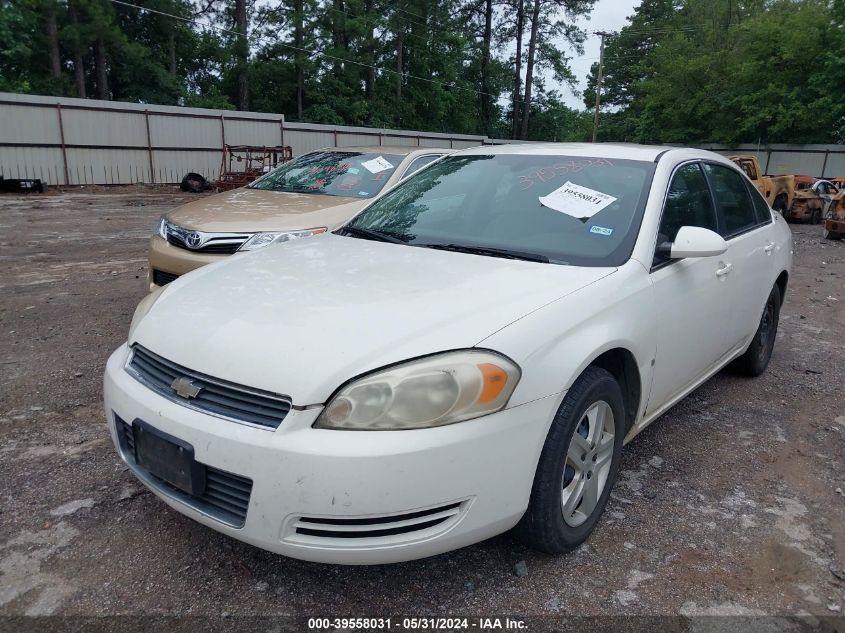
211 243
226 495
215 396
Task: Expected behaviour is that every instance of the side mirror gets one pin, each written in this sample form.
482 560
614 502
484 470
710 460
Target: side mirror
695 241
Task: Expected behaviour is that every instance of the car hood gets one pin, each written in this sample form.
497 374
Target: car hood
248 210
302 318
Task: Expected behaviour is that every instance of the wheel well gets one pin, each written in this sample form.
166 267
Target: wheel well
622 365
782 279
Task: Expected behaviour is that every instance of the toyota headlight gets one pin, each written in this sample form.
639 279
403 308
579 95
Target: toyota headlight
423 393
260 240
161 227
143 308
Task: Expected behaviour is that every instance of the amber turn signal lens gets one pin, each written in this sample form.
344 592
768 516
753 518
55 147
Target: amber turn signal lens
495 378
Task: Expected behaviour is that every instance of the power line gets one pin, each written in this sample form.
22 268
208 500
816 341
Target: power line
655 31
442 84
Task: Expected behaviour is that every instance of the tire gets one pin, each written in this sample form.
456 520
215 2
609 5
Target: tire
756 358
832 235
594 407
816 216
193 183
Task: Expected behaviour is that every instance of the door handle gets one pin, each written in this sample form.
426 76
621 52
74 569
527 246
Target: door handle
724 270
769 248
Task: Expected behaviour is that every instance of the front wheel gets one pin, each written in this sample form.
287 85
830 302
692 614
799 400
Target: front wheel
756 358
816 216
577 466
832 235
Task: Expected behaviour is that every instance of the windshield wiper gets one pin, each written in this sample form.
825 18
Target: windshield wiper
489 251
370 234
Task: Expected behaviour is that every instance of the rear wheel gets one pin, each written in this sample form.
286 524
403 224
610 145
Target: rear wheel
578 465
756 358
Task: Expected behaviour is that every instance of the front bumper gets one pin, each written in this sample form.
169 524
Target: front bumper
174 261
407 494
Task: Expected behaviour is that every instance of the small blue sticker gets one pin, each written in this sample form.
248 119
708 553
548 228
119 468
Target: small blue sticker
601 230
363 193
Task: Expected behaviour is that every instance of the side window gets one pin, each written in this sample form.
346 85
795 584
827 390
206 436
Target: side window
733 199
761 207
419 163
688 203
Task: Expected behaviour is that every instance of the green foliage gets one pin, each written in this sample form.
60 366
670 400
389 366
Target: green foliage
681 71
697 71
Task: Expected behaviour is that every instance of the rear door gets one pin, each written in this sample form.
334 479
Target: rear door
743 219
692 296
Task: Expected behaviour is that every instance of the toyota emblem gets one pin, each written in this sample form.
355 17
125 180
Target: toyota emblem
193 239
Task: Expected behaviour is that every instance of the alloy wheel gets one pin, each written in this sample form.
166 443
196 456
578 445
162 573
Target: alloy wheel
588 462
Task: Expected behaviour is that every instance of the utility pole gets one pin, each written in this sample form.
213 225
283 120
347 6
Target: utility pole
598 85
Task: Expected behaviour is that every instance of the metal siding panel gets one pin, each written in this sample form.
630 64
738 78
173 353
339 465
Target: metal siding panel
106 166
172 165
180 131
302 141
835 166
439 143
400 140
37 162
796 163
23 124
85 127
460 144
356 139
267 133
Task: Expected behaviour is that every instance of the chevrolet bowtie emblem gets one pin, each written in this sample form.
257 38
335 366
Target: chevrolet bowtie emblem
185 387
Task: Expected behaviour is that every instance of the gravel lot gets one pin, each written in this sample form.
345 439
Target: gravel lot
732 503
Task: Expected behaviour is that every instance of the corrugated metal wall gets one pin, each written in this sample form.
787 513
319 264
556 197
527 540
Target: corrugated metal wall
821 161
82 141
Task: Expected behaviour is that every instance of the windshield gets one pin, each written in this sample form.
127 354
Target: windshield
561 209
351 174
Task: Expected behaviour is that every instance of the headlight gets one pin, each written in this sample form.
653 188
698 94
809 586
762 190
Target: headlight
260 240
161 228
143 308
433 391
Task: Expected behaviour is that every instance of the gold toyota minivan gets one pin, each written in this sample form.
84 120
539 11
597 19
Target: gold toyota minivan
312 194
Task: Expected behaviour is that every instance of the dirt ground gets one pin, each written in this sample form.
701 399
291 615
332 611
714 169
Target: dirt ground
731 504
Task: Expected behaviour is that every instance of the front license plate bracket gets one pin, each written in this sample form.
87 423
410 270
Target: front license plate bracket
168 458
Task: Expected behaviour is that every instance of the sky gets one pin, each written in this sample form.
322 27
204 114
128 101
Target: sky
607 15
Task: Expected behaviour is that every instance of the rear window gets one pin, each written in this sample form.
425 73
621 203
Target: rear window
352 174
570 209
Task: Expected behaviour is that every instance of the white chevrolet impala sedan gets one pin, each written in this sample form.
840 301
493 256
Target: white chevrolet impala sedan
467 355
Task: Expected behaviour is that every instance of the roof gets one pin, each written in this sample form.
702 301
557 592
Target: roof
401 150
597 150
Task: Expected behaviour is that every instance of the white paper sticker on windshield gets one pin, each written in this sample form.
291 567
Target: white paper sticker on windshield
577 201
376 165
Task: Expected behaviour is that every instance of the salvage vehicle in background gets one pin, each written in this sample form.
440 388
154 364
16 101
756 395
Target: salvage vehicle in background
466 355
777 190
834 220
307 196
812 200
